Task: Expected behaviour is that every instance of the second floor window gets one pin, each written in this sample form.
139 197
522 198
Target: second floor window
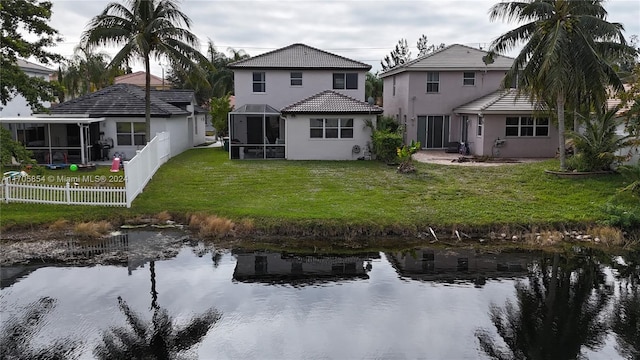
347 81
469 78
433 82
296 79
259 84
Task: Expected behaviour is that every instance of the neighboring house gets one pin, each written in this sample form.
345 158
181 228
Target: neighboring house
302 103
453 96
633 153
111 119
18 105
138 79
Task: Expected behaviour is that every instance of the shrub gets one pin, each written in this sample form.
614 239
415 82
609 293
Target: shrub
385 145
623 217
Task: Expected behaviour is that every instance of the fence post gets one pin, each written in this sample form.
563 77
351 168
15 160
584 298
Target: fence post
67 192
5 185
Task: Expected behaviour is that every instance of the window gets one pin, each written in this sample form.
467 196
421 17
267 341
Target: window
296 79
259 84
433 82
347 81
331 128
394 85
130 133
469 78
526 126
480 125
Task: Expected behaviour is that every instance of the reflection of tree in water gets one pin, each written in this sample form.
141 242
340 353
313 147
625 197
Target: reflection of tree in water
625 320
17 333
558 311
160 339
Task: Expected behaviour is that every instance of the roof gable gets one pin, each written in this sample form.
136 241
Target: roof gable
453 57
299 56
138 78
116 100
29 66
331 102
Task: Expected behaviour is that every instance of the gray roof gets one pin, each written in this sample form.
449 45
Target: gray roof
299 56
117 100
499 102
174 96
331 102
453 57
29 66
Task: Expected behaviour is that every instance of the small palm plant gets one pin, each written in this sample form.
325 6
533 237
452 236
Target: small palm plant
632 174
404 156
596 146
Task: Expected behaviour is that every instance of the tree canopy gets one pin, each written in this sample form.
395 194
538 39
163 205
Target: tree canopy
144 29
398 56
33 17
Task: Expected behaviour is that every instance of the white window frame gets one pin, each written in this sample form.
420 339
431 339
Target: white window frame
132 134
480 126
536 125
295 79
262 81
342 128
433 78
469 80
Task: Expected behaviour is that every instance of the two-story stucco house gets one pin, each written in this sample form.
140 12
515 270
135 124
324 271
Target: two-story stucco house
454 96
300 103
18 105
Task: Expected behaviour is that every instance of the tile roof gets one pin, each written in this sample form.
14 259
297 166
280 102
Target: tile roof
453 57
331 102
138 78
499 102
116 100
299 56
174 96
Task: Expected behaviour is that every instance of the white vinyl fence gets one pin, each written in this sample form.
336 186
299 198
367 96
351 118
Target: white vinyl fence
137 173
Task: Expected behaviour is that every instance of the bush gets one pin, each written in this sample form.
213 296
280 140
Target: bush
623 217
385 145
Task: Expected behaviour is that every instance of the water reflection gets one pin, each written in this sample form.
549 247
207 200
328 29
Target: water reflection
298 269
159 339
559 311
625 320
17 333
155 297
458 265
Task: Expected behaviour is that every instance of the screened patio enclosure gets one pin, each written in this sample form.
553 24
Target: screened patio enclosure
55 140
256 131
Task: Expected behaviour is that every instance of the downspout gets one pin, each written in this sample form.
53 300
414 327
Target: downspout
82 159
50 150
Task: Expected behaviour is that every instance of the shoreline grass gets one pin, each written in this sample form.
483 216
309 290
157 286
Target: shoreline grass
333 198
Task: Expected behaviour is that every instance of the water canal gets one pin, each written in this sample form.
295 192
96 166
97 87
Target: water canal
151 294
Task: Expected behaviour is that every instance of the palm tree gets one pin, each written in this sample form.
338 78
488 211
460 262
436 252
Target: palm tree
145 28
86 72
161 339
566 44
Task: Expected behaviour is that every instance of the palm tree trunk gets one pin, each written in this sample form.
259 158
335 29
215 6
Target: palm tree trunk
147 98
561 142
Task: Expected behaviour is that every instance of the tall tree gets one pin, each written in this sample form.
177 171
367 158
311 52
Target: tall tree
19 18
398 56
145 29
566 44
373 86
87 71
424 48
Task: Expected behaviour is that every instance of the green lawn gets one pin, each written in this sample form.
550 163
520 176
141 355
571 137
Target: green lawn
355 194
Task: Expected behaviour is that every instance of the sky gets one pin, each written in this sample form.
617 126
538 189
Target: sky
357 29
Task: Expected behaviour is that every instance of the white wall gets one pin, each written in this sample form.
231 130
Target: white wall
300 146
279 92
18 105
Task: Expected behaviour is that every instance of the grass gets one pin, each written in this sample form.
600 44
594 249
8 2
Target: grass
359 198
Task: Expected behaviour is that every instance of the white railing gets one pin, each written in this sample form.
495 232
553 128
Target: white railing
138 171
